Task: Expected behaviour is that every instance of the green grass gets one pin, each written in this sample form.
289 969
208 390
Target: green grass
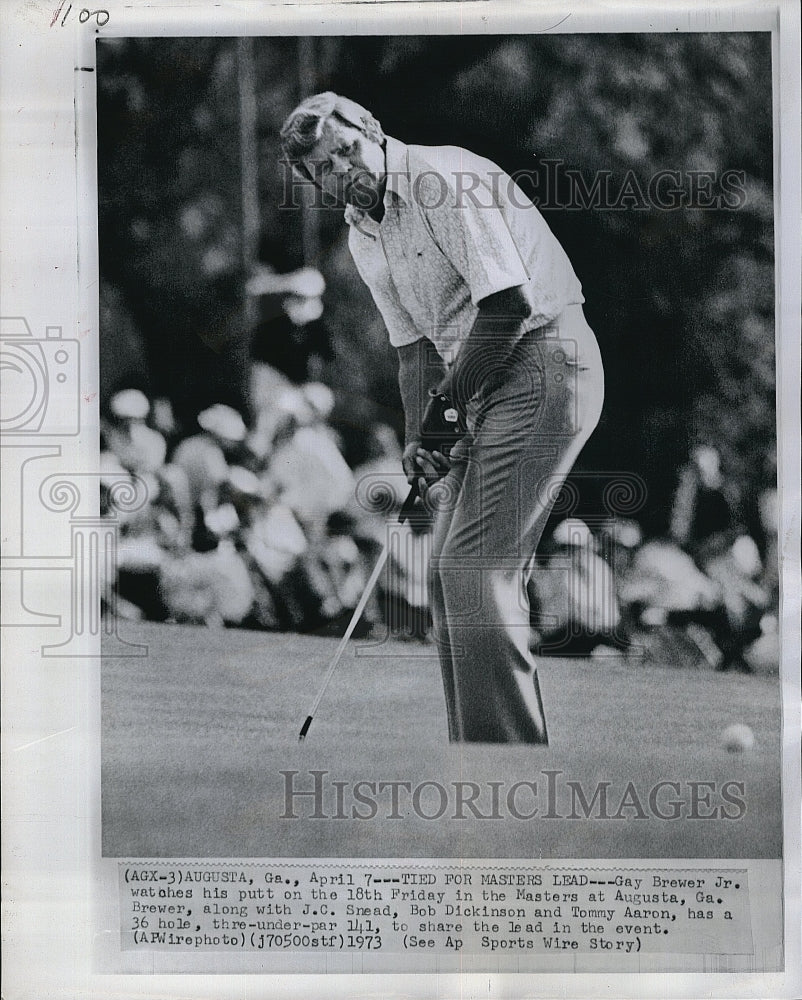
196 733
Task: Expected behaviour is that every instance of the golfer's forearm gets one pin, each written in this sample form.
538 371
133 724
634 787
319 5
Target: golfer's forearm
495 332
420 368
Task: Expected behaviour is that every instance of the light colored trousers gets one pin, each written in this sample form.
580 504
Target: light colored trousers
492 508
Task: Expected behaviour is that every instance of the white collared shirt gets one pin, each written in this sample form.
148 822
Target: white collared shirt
455 230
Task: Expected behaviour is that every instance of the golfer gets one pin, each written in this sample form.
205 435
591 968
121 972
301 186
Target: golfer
482 305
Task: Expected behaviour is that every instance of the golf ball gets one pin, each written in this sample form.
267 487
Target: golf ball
738 738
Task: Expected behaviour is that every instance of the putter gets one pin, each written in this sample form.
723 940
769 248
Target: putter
447 427
363 600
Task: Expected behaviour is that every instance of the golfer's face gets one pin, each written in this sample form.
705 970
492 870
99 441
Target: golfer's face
347 166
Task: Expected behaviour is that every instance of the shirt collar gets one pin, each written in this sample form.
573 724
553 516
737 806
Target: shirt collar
396 165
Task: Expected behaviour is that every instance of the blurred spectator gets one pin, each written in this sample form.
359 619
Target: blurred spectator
226 427
276 543
209 588
164 420
742 601
621 538
129 404
141 545
340 556
204 464
662 579
291 335
310 473
138 447
664 595
278 406
176 500
681 613
573 593
763 656
701 508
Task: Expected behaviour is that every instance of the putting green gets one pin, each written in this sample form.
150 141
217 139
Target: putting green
196 735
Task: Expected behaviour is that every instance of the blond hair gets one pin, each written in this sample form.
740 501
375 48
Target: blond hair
301 132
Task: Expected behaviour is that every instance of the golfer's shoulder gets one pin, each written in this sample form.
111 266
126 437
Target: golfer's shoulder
432 167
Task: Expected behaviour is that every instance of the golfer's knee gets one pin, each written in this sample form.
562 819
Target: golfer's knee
488 593
450 574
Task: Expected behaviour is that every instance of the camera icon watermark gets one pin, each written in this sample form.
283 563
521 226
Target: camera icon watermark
39 380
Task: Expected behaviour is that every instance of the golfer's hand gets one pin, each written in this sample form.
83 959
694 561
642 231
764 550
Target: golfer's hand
423 468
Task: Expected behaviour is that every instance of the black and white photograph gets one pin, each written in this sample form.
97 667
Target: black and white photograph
447 367
425 501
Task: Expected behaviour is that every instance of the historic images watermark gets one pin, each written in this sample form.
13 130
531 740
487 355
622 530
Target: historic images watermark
552 186
40 392
553 795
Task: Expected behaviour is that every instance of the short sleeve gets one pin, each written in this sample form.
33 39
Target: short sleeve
473 234
376 275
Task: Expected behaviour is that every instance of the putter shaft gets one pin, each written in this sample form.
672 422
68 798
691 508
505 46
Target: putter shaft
374 576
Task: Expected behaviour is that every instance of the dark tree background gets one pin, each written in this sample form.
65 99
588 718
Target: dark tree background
682 299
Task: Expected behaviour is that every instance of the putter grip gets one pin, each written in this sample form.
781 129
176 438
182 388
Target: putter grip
445 425
305 728
408 507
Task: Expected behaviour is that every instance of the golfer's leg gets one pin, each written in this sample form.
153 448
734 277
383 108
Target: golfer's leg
481 574
535 430
449 494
